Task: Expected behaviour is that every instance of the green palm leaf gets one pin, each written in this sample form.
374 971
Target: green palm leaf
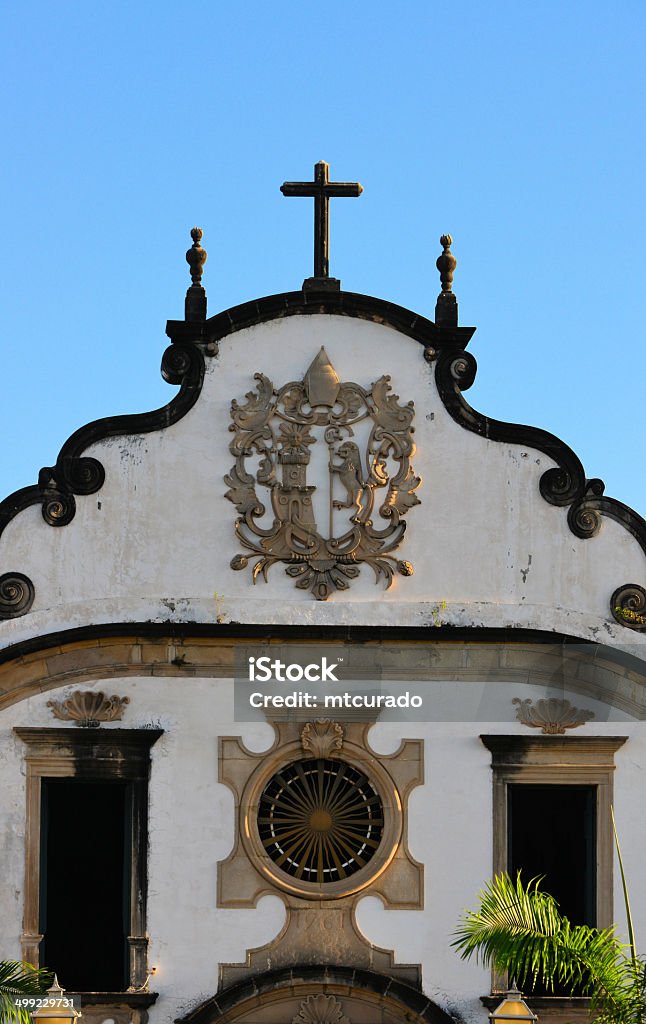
519 929
19 979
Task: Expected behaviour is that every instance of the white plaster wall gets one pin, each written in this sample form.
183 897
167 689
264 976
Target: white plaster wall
156 541
451 833
192 828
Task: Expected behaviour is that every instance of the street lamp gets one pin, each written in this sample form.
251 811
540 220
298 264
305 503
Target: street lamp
56 1007
513 1008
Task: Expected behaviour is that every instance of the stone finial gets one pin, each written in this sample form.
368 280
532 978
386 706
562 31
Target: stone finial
196 256
446 307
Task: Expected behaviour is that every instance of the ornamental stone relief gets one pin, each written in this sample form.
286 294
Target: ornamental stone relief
320 1009
322 738
319 828
552 715
88 709
322 532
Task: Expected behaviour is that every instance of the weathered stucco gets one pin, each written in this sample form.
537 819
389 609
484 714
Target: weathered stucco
155 542
192 827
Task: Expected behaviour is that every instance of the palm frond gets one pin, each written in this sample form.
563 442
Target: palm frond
19 979
520 929
629 915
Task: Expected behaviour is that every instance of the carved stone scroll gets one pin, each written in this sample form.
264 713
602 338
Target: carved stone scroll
16 595
628 606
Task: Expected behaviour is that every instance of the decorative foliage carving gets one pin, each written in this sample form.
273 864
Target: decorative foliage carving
16 595
320 1009
273 434
322 738
552 715
628 605
88 709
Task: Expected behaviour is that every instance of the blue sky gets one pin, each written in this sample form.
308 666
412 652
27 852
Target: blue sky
517 127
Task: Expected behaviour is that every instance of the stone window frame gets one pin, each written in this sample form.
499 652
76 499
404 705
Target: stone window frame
558 761
94 756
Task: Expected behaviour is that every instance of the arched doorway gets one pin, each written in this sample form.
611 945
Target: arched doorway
318 995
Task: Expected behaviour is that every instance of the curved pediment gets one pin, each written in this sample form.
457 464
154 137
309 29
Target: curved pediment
459 519
311 302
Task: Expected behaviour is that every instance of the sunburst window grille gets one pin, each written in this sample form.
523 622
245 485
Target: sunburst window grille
320 820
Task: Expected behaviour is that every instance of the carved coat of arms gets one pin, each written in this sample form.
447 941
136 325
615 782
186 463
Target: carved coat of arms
278 433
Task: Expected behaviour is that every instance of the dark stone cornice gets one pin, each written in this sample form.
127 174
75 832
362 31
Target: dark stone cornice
310 302
105 753
90 740
564 484
186 631
76 474
520 749
183 363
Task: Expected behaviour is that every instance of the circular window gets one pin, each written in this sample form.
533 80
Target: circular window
320 820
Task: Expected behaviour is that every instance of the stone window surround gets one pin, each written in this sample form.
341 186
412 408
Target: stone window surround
562 761
391 809
92 755
329 935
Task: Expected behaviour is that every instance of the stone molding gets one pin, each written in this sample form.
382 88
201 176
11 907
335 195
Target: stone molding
274 996
557 760
109 652
91 755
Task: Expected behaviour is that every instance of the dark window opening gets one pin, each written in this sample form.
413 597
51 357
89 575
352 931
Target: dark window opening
85 883
552 833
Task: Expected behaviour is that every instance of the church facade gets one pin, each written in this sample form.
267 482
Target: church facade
292 665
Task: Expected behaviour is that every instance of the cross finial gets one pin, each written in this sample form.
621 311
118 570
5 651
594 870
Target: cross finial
321 190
